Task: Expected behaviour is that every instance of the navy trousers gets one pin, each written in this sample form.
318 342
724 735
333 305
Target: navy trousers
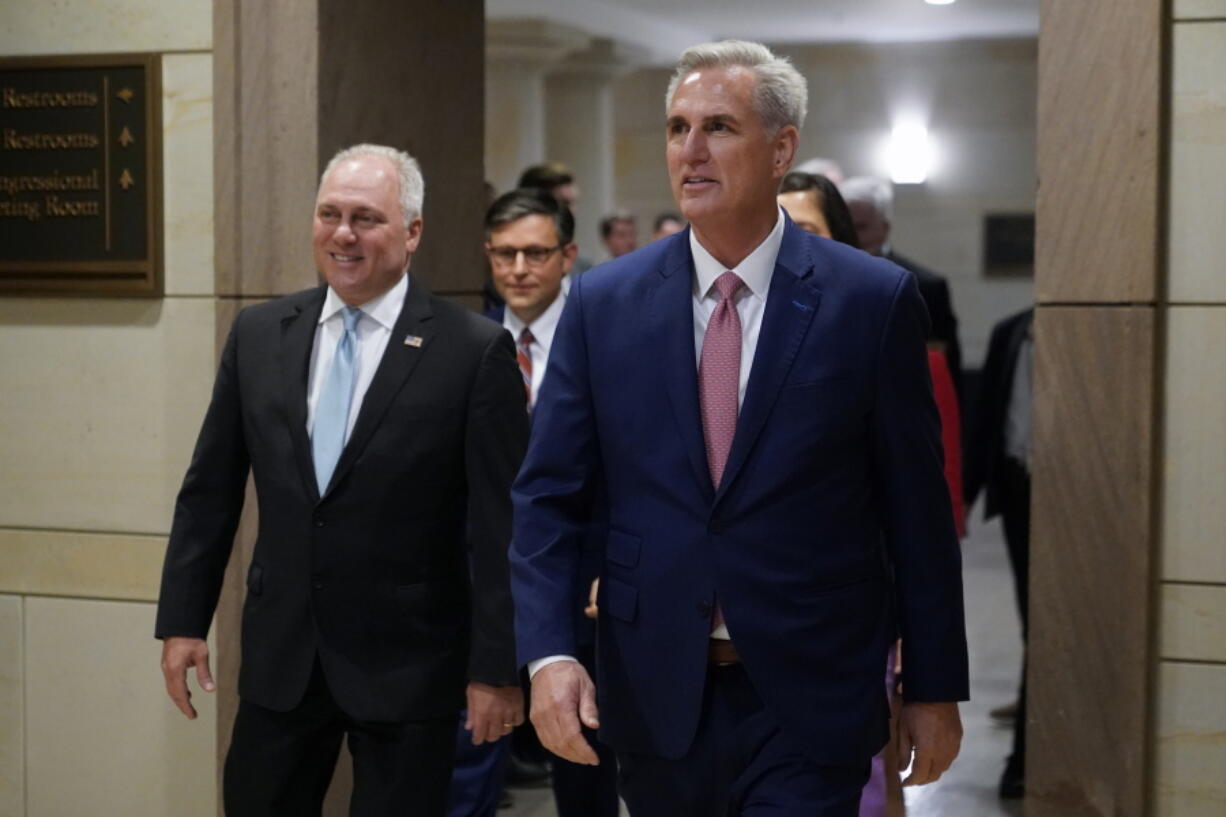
740 764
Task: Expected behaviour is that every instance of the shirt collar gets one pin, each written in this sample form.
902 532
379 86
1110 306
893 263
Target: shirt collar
383 310
542 328
756 270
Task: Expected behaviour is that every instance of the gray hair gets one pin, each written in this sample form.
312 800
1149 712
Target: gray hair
872 190
412 186
780 94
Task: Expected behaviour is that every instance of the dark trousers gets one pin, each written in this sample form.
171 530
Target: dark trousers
739 764
476 781
280 763
1015 519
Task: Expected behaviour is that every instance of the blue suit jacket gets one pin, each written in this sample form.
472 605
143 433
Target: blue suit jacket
831 531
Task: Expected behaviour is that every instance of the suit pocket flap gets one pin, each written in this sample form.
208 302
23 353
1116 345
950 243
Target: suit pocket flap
623 548
620 599
255 579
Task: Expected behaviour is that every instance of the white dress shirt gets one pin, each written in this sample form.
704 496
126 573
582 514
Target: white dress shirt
373 330
756 271
542 330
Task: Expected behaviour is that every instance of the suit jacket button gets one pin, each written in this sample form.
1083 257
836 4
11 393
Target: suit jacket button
704 608
715 526
319 523
317 584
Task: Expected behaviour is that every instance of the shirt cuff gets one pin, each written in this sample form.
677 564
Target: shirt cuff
535 666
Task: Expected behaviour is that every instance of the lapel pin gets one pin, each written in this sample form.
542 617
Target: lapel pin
412 340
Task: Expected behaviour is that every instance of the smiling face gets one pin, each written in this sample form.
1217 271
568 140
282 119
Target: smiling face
529 287
362 245
723 165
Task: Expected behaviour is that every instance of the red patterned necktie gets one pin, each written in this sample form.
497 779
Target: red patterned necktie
523 353
719 375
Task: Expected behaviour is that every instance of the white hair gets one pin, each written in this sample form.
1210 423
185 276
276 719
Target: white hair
780 94
872 190
821 166
412 186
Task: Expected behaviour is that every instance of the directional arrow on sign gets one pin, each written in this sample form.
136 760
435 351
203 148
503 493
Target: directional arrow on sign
126 138
125 94
126 180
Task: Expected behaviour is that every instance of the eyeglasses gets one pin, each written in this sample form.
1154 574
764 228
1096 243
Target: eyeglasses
533 256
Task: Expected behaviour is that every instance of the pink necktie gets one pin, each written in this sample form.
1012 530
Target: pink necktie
719 375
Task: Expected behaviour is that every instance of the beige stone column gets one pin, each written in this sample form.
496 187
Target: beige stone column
1100 284
294 83
518 53
580 132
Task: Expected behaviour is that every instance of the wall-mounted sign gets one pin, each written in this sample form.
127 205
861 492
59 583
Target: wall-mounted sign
1008 245
80 175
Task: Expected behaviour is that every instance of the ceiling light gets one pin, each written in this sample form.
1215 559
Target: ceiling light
909 153
938 2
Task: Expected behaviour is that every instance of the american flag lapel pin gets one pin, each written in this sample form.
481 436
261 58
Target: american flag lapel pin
413 340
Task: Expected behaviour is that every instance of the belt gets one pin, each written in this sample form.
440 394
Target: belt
721 652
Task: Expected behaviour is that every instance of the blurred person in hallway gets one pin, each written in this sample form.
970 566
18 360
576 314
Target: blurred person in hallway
998 463
559 181
620 233
746 410
666 224
871 201
382 427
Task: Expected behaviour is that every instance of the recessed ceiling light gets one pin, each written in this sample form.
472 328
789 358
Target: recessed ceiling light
938 2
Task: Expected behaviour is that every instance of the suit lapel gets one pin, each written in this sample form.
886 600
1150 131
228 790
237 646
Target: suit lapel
674 339
399 360
297 340
790 306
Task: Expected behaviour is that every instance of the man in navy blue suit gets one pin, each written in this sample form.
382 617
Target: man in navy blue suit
750 410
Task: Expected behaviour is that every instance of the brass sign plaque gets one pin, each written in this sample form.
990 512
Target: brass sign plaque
80 175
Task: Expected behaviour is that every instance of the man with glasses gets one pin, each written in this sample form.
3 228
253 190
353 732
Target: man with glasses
530 246
529 241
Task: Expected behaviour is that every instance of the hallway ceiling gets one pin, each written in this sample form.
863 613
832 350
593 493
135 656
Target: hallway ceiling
663 28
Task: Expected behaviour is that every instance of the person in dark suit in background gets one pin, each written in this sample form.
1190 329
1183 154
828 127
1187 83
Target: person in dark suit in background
745 410
383 427
998 463
529 241
871 201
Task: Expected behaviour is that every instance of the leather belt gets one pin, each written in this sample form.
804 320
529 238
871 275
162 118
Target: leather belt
721 652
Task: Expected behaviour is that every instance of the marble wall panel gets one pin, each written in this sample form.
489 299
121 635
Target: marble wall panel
1091 563
1191 9
187 172
1194 481
88 565
1194 622
89 26
108 395
12 707
1099 156
103 738
1191 741
1197 248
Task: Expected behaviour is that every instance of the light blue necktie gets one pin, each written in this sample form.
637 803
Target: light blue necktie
332 412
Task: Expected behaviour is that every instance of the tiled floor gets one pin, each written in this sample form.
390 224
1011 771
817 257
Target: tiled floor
969 788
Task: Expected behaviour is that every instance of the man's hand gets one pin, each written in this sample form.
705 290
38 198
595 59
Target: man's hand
493 711
178 654
562 696
934 731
